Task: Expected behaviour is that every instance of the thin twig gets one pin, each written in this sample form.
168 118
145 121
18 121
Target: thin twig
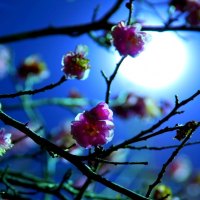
155 126
110 79
130 7
82 190
101 24
66 176
32 92
120 163
63 102
170 159
50 147
140 136
85 28
161 148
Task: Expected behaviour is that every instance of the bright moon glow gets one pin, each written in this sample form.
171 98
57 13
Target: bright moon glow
160 65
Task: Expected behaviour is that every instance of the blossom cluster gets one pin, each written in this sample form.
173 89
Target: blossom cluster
190 7
75 64
132 105
93 127
129 40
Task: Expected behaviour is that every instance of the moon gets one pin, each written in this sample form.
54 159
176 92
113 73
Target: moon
160 65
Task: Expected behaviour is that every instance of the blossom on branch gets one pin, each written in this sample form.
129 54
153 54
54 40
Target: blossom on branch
93 127
75 64
5 141
129 40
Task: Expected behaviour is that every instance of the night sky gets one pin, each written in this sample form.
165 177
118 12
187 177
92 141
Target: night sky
23 15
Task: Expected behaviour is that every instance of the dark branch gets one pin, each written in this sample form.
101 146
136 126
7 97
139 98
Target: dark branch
50 147
32 92
170 159
120 163
83 29
161 148
110 79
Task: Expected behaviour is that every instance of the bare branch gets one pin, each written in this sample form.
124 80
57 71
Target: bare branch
161 148
50 147
170 159
32 92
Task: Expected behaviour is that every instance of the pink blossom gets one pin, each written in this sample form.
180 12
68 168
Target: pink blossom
75 65
5 141
129 40
93 127
32 67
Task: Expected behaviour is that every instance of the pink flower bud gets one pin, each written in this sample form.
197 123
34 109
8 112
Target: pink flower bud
94 127
129 40
75 65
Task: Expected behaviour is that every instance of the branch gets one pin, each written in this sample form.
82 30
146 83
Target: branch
83 29
140 136
161 148
76 30
114 9
129 5
50 147
41 185
64 102
83 189
171 28
32 92
170 159
110 79
119 163
155 126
